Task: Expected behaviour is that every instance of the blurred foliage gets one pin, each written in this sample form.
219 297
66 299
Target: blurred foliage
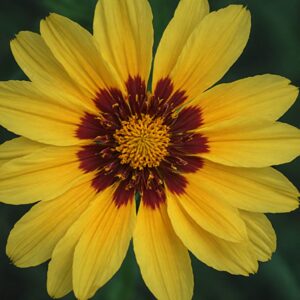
274 47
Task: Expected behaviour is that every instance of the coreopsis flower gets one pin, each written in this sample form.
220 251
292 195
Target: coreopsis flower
94 139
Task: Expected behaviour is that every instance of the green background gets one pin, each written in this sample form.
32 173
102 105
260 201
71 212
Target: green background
274 47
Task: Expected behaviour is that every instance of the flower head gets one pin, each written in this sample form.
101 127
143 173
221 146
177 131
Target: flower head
93 139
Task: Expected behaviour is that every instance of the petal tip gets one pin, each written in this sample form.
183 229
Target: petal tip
52 292
51 17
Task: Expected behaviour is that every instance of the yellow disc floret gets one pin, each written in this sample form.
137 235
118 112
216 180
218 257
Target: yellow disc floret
142 142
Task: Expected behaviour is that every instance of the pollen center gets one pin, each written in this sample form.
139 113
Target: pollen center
142 142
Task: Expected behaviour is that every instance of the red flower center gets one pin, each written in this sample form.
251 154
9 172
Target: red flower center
142 143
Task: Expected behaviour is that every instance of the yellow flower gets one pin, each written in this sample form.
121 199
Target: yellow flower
93 139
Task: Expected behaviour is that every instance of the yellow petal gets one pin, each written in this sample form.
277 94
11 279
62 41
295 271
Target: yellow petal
123 30
38 63
211 50
103 245
75 49
244 143
252 189
235 258
164 261
261 234
42 175
17 147
35 235
27 111
188 15
268 96
213 215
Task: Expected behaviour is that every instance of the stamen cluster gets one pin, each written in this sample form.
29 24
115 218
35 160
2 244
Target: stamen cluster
142 142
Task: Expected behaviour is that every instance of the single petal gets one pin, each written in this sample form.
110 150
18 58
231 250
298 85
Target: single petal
188 15
123 30
269 96
38 63
251 189
35 235
27 111
215 216
235 258
211 50
103 244
42 175
248 143
164 261
101 212
75 49
261 234
16 148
